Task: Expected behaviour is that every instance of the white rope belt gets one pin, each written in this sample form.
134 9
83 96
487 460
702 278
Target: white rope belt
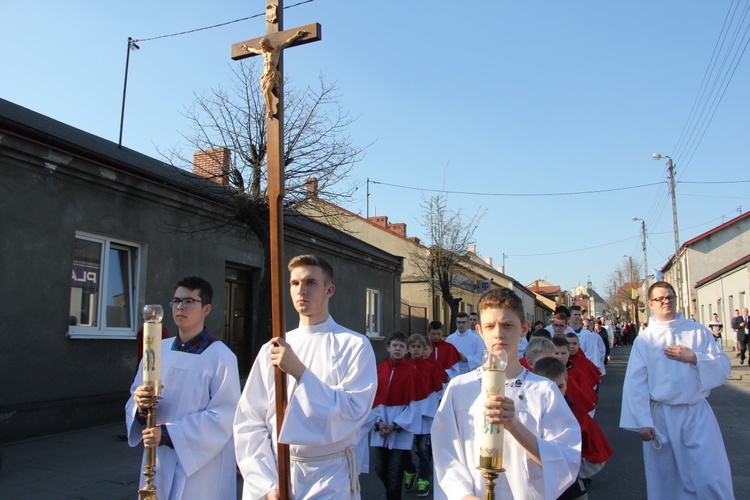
351 459
660 439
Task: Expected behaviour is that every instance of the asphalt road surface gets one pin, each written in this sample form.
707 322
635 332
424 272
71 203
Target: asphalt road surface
623 477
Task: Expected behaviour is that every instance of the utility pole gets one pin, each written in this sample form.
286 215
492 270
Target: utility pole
645 264
677 261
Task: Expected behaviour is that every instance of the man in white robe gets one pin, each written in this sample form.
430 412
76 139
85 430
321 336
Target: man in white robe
542 439
673 366
193 438
467 342
331 388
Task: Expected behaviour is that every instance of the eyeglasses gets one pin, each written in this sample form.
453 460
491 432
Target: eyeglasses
558 325
665 298
187 302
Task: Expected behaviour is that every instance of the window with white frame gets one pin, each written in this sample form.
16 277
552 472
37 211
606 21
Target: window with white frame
372 324
102 288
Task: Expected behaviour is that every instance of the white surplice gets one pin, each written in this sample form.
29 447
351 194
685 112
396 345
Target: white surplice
326 410
199 400
670 396
593 347
408 417
471 345
539 406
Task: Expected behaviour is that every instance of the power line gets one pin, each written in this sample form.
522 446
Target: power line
708 100
576 250
217 25
712 182
515 195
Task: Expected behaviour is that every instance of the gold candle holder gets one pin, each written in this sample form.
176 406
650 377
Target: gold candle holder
491 435
152 317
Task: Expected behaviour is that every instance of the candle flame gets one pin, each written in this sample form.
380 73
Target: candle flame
153 313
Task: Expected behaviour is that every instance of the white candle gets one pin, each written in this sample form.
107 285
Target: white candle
152 316
491 435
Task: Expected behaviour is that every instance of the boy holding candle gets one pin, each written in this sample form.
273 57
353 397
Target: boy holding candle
201 387
542 440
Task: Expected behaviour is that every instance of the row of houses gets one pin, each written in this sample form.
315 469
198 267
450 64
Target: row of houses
712 271
93 231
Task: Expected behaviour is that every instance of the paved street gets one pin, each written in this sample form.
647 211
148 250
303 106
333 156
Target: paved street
93 464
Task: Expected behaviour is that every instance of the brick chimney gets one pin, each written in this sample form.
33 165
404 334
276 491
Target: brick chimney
472 248
380 220
213 164
312 188
488 260
398 228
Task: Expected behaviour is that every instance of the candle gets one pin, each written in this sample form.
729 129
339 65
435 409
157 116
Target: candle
491 435
152 316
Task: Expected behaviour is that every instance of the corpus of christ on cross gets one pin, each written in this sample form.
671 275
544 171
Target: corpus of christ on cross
271 47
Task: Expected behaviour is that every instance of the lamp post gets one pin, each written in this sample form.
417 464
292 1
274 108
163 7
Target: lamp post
678 265
645 262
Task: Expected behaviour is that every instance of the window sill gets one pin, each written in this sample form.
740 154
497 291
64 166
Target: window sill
99 336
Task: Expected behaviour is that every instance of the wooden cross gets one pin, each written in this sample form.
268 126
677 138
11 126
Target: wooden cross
271 47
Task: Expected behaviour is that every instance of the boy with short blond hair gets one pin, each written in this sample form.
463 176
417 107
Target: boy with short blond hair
433 377
542 437
539 348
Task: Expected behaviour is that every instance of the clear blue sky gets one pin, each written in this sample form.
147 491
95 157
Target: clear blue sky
498 97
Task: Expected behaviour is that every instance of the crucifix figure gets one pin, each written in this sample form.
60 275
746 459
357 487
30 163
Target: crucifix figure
271 47
271 77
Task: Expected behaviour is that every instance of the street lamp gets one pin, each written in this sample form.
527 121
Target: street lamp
645 261
678 265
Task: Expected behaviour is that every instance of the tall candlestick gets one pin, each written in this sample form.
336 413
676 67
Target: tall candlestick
152 316
491 435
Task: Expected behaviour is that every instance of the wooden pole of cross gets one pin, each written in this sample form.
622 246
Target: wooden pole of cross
271 47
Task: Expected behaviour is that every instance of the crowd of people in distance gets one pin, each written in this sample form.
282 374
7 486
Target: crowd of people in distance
420 414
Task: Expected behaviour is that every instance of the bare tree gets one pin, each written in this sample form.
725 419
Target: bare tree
625 281
448 234
316 144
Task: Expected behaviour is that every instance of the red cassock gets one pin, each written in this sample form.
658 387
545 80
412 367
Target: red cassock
590 374
582 398
445 354
525 363
398 383
433 376
594 444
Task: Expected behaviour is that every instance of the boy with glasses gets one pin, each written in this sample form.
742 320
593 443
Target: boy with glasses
195 411
559 326
673 366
